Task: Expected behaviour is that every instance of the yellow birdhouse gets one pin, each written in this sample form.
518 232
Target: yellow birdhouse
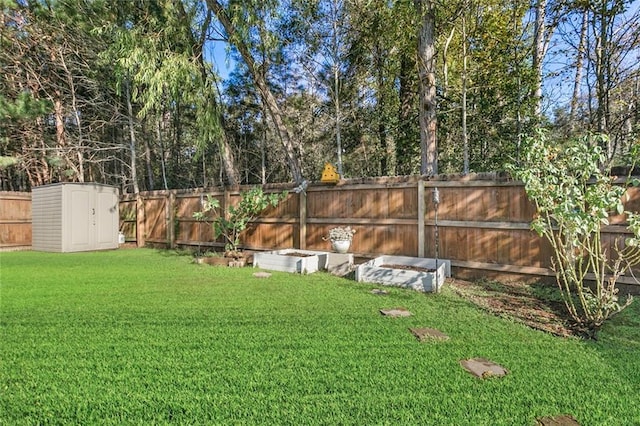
330 174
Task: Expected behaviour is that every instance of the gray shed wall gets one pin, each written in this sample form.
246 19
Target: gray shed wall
46 207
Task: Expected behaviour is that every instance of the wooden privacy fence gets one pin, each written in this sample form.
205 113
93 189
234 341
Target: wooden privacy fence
483 225
15 220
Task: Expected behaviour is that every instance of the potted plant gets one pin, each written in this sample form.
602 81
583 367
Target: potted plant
340 238
234 221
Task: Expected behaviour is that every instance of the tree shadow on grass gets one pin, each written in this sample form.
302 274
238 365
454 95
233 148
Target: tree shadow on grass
536 305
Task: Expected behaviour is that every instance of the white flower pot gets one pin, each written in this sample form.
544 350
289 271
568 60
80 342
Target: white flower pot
340 246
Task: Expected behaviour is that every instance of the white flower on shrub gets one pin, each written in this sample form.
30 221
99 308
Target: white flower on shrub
341 233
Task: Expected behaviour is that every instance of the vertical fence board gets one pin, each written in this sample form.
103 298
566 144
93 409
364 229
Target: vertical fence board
504 246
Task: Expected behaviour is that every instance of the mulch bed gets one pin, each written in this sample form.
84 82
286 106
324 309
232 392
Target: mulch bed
520 302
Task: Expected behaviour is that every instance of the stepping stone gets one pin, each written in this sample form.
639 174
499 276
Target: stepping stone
424 334
561 420
395 312
261 274
379 292
483 368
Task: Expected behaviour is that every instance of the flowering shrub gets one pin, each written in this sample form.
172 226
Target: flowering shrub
341 234
574 197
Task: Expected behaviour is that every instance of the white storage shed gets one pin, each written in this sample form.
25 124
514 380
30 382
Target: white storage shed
69 217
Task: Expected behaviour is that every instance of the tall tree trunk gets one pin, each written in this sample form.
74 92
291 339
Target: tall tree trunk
517 68
578 65
387 160
427 75
149 164
175 172
602 68
228 160
61 140
263 155
163 165
539 52
265 92
465 135
132 140
335 53
338 118
445 64
78 121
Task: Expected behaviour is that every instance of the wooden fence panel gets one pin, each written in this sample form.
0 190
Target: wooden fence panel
269 236
286 210
156 213
385 217
15 220
484 225
189 230
617 230
128 223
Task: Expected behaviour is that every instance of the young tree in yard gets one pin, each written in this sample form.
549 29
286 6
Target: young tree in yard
574 198
234 221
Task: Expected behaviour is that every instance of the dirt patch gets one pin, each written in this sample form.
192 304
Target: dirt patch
296 254
536 305
408 268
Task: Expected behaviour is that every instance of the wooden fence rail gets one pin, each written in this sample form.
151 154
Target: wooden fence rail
482 223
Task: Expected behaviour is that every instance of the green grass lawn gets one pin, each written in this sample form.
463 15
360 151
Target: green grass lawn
147 337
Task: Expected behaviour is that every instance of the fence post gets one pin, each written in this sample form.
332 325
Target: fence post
140 219
302 200
171 219
421 213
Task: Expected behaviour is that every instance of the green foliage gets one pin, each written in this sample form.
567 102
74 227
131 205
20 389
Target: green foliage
158 52
13 112
48 58
574 197
6 161
499 82
25 106
147 337
234 221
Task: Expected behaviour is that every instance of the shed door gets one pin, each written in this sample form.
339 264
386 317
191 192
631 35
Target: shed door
92 218
82 220
106 219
